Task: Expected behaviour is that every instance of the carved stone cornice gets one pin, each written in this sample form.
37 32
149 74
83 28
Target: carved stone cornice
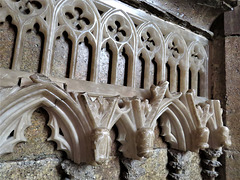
81 123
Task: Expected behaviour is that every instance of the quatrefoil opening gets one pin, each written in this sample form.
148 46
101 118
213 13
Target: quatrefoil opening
175 48
197 55
27 7
79 17
150 40
118 28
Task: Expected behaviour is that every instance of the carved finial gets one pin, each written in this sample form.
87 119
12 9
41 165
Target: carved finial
201 113
101 110
158 92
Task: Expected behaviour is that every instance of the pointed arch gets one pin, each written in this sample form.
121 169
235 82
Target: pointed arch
119 27
151 41
108 50
126 52
174 132
178 127
198 66
64 114
176 54
82 65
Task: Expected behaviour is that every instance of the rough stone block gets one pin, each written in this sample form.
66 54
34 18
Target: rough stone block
192 166
152 168
232 165
233 121
232 22
30 169
232 56
109 170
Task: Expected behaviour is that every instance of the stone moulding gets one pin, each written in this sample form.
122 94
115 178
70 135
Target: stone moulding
145 49
81 124
140 50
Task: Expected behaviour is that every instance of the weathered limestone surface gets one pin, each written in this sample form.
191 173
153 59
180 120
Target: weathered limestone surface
108 171
36 145
232 23
152 168
193 14
39 158
225 84
217 64
232 49
183 165
31 169
191 167
7 35
32 46
155 166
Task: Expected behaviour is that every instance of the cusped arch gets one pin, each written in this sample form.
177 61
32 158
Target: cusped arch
173 131
127 137
186 119
64 114
177 126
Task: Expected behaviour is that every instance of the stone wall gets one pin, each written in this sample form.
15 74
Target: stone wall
232 47
225 84
232 68
38 158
